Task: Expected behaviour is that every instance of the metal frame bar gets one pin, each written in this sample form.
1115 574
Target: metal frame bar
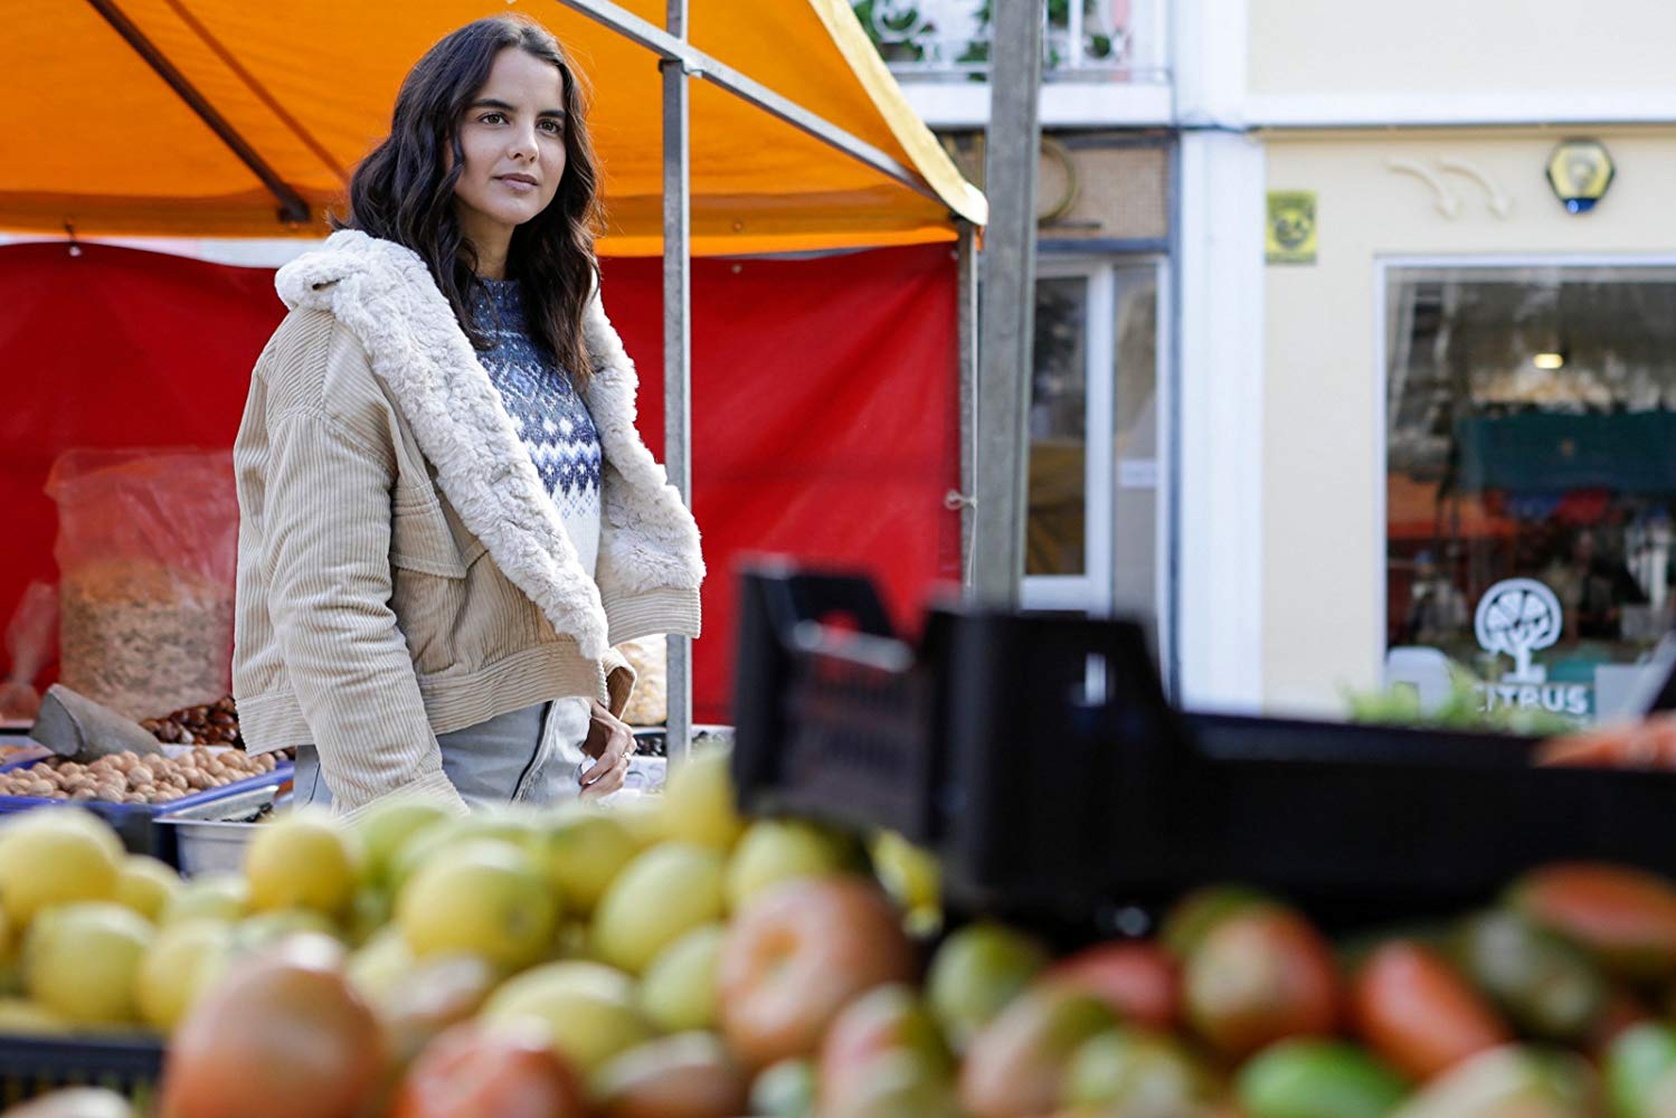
261 92
292 207
677 348
700 65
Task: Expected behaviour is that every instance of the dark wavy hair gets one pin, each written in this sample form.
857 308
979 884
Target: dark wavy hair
404 190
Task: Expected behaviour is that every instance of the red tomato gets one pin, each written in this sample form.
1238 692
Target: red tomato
1415 1010
283 1036
1258 976
689 1075
478 1071
796 954
1626 917
1141 981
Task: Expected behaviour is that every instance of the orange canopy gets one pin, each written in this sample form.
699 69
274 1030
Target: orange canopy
95 139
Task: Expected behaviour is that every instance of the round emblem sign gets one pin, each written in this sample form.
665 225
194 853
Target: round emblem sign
1518 616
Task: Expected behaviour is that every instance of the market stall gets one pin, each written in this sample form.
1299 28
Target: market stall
242 139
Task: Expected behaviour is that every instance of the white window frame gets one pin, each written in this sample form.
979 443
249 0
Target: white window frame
1384 266
1092 591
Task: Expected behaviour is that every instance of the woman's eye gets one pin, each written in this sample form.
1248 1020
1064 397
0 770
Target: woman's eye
492 118
552 127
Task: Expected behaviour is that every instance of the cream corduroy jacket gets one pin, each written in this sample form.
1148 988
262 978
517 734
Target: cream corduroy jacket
402 572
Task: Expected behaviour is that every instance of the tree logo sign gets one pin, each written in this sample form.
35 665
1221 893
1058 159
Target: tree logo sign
1518 617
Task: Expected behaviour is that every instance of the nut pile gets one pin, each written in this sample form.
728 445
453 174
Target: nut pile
128 778
213 724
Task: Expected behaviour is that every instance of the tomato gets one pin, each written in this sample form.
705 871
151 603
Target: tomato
886 1019
1417 1011
1260 975
689 1075
477 1070
796 954
437 993
1140 981
1201 910
1019 1063
1625 917
284 1035
1317 1079
1545 983
1511 1082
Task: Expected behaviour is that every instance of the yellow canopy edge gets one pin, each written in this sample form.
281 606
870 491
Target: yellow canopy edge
927 155
98 142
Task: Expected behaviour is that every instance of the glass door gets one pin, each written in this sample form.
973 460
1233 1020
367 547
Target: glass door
1094 541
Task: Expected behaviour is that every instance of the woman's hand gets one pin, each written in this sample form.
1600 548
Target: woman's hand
611 744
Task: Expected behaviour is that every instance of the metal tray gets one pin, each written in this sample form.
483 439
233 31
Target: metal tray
210 837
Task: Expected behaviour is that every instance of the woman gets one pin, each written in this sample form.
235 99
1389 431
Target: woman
447 517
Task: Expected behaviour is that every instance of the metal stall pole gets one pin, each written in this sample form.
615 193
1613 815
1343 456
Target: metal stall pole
967 317
1007 303
677 345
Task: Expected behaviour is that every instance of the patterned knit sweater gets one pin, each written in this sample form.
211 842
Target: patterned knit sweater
546 411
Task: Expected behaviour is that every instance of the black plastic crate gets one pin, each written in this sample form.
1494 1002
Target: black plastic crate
33 1066
1040 758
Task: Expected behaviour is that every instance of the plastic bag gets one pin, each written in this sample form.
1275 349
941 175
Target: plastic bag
649 657
147 549
31 644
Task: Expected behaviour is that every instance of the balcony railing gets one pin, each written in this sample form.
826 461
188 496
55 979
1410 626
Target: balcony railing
948 40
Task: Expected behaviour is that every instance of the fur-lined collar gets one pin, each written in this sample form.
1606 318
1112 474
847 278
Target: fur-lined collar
383 293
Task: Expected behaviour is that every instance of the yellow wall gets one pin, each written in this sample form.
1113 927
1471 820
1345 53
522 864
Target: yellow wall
1460 46
1323 451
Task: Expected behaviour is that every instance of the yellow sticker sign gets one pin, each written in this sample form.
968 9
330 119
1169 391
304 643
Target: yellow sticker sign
1581 172
1291 234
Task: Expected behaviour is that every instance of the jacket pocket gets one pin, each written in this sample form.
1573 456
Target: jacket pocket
420 540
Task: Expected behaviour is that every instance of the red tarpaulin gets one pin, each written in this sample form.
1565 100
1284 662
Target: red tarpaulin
824 401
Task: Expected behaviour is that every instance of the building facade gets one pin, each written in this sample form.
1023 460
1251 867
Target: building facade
1347 316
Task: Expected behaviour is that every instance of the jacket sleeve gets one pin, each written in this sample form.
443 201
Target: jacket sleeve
619 681
327 529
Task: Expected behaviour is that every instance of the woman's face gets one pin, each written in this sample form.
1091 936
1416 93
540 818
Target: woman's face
513 136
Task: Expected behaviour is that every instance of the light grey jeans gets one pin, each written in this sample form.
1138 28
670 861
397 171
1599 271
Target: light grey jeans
533 755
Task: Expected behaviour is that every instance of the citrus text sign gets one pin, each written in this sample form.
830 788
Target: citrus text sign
1518 617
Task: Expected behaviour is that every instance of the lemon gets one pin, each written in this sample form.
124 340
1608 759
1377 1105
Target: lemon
678 991
56 856
588 1010
146 885
584 851
25 1018
380 966
488 897
80 961
506 826
776 850
222 896
663 894
699 805
306 859
910 874
254 934
388 826
187 958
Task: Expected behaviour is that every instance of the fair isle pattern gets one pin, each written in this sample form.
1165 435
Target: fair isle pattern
548 415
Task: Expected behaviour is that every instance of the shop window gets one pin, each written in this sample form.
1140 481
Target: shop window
1530 477
1093 536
